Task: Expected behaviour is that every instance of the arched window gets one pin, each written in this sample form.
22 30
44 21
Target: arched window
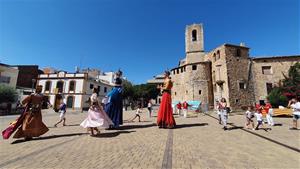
59 86
218 55
214 57
72 86
194 35
48 86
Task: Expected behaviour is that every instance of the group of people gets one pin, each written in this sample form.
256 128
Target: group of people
182 108
257 112
262 112
109 113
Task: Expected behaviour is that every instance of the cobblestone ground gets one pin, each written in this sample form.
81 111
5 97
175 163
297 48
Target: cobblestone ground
197 142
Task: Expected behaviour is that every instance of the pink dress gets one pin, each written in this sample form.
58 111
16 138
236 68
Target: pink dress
96 115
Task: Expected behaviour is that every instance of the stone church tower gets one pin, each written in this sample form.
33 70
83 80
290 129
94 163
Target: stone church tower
194 45
192 78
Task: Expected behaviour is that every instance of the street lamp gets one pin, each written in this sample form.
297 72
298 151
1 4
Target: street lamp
32 85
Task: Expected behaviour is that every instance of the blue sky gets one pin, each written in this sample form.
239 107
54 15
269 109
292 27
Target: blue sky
142 37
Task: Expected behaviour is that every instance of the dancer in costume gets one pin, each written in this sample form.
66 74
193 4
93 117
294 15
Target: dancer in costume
96 116
32 124
165 117
114 105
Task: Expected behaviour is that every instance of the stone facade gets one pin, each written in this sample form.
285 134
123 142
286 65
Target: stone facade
227 71
268 71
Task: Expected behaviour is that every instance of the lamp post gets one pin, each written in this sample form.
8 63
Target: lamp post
32 84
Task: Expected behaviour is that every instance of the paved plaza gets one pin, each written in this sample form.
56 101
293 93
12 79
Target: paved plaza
196 142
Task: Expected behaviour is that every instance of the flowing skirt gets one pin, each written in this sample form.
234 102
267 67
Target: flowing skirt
96 118
32 126
165 114
114 107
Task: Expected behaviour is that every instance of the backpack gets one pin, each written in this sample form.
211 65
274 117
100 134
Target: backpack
228 110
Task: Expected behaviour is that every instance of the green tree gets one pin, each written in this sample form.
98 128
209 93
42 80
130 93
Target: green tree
7 94
291 83
276 98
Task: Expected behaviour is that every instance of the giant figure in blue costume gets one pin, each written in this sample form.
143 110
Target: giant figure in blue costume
114 105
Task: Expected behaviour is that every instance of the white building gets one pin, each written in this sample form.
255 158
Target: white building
74 88
8 75
107 76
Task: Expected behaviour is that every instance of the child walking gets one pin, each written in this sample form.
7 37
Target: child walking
259 120
249 118
62 116
137 114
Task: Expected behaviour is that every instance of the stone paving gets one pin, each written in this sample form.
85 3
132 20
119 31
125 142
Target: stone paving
196 142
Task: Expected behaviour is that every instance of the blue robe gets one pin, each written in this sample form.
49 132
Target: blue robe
114 106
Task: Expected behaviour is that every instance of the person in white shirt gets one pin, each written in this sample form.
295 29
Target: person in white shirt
259 120
137 114
295 105
222 108
149 107
249 118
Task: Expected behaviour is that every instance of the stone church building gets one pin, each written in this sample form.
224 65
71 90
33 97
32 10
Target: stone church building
227 71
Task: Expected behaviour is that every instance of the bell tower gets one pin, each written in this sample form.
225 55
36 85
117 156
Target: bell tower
194 45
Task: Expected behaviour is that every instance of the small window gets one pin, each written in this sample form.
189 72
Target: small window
194 67
177 70
184 68
269 87
238 52
72 86
48 86
91 86
181 70
59 86
186 92
194 35
99 89
199 92
175 93
266 70
218 55
242 85
173 72
105 89
215 88
214 57
237 101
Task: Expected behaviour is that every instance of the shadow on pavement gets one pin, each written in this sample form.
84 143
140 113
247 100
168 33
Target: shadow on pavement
68 125
128 127
235 127
50 137
112 134
190 125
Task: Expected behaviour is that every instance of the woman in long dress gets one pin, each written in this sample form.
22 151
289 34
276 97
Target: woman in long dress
114 105
32 125
165 117
96 116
